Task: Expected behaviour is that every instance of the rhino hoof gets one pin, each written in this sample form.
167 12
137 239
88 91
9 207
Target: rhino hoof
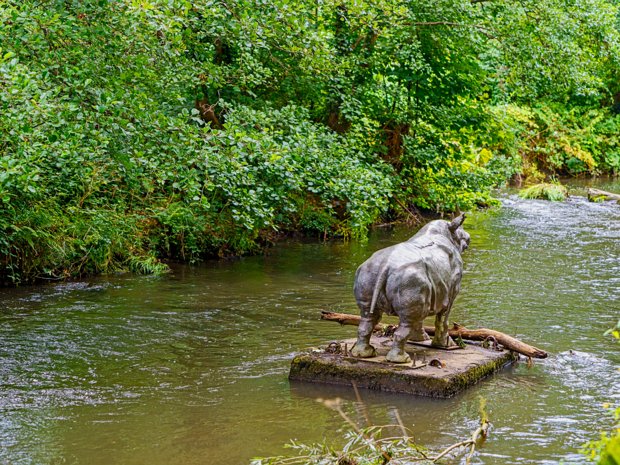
397 357
363 351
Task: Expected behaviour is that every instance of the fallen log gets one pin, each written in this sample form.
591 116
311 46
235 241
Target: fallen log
480 334
594 194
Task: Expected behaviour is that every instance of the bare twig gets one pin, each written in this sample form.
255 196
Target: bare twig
447 450
336 404
478 435
401 424
481 432
361 404
408 210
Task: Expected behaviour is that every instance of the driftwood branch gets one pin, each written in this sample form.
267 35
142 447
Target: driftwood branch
480 334
597 193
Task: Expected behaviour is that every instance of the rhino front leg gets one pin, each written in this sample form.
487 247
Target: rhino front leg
362 347
397 353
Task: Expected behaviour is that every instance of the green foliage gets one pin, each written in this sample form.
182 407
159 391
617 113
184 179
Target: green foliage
369 446
572 140
606 450
555 192
45 242
551 139
358 450
132 131
553 50
614 332
106 165
455 169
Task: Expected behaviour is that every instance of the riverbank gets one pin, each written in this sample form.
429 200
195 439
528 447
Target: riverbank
47 244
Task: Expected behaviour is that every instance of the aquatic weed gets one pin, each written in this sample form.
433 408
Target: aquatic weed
554 192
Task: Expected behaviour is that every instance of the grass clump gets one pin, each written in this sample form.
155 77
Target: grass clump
554 192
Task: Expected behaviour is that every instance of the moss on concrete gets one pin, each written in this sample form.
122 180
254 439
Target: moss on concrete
462 369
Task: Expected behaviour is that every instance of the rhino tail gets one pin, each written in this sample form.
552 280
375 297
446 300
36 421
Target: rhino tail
379 285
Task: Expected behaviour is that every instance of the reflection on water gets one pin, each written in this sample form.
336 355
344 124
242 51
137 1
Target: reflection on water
191 368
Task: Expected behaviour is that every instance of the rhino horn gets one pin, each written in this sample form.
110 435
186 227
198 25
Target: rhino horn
456 222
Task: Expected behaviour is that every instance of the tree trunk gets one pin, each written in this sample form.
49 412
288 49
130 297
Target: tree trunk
480 334
594 193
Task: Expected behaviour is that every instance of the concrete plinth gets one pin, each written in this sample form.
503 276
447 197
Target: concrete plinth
435 373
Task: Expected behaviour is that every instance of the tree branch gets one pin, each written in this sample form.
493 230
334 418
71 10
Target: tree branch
482 29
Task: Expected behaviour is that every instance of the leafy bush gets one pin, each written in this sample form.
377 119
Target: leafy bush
369 446
132 132
457 168
606 450
567 140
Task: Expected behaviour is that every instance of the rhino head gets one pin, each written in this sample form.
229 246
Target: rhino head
459 236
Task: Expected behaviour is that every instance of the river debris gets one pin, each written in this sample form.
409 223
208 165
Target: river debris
597 195
334 348
486 343
374 444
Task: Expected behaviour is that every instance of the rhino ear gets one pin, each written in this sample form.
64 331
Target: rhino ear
456 222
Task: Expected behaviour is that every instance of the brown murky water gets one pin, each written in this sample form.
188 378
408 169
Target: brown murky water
191 368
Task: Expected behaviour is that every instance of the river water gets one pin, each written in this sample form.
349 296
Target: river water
191 368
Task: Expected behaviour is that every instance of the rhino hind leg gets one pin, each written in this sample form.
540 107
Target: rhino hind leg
417 332
397 353
362 347
442 337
